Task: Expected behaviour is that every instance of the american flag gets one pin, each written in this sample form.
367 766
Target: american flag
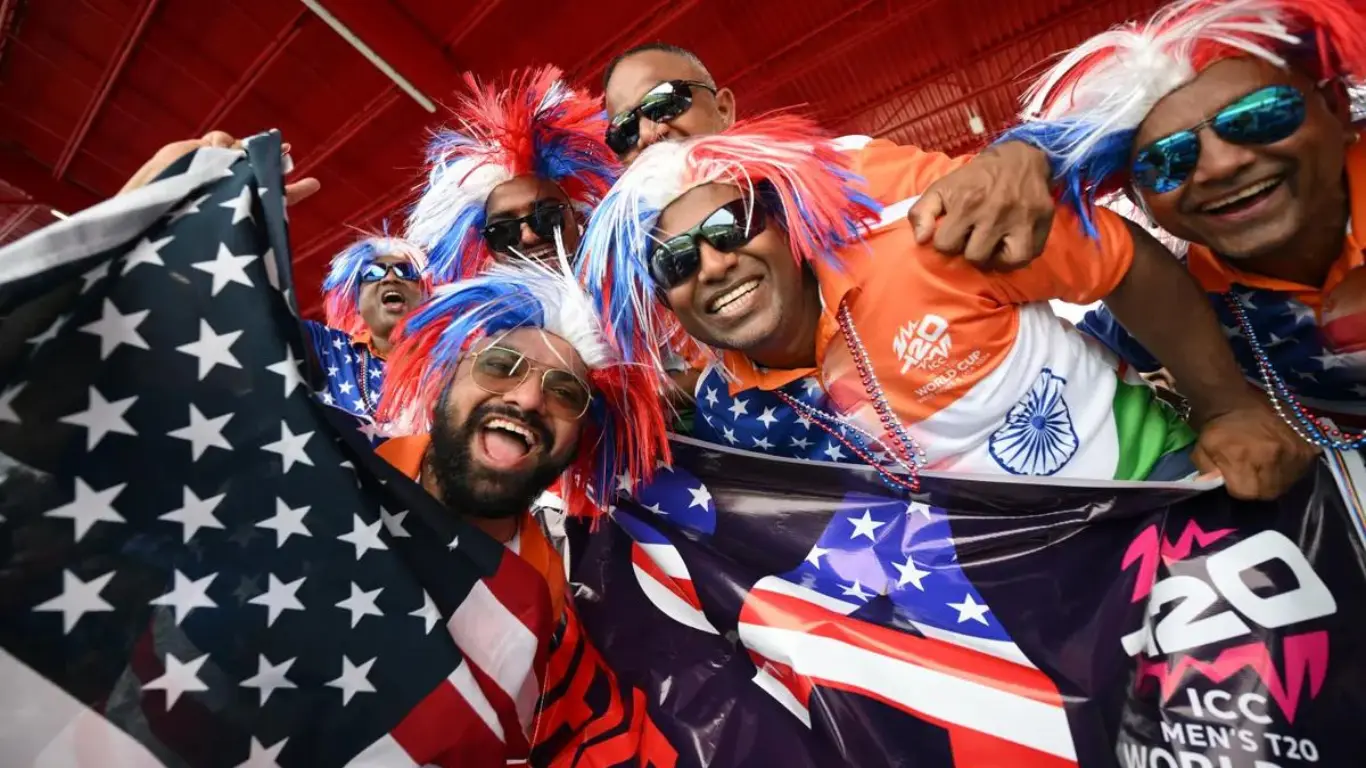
202 565
868 599
756 420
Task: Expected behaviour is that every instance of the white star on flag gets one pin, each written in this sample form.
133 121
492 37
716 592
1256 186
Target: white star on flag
855 590
101 418
187 209
50 333
729 435
364 537
212 349
95 275
801 442
203 433
240 206
146 252
187 595
90 507
393 523
344 388
269 677
78 598
262 756
226 268
354 679
701 497
762 443
711 396
290 447
738 408
361 604
866 525
803 421
815 555
625 482
278 598
428 613
289 370
833 451
195 513
910 572
767 418
7 412
286 522
115 328
180 678
970 610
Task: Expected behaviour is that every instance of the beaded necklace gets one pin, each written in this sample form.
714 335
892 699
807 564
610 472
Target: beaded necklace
1308 426
904 449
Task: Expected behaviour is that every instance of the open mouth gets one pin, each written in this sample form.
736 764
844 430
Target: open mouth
506 442
543 252
1243 199
393 300
736 300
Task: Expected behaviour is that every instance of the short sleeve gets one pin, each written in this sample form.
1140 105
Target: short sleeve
1073 267
895 173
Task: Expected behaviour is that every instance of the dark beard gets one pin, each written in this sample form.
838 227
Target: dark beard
468 489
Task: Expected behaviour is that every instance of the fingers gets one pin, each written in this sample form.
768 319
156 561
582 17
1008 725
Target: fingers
218 139
301 190
982 246
924 213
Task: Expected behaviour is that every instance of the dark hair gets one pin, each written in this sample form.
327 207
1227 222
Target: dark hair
663 48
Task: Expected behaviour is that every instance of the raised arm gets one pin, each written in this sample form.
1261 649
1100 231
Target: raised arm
1240 435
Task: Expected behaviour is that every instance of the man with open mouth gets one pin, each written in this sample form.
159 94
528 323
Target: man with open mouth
514 178
1234 133
772 248
523 387
368 289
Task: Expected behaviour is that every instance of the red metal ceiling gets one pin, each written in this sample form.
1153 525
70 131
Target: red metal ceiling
89 89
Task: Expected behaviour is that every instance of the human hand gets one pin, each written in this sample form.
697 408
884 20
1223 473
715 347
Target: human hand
295 192
996 211
1257 454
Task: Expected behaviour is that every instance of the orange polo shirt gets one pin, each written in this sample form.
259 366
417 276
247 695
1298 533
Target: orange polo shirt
406 455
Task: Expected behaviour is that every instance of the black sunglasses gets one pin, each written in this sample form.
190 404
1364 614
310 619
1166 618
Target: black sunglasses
375 271
1264 116
504 235
662 104
727 228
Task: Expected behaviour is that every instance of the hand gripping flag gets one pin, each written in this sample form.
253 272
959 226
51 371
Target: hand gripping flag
201 565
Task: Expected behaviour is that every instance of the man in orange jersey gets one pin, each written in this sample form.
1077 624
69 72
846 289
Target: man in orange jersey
788 257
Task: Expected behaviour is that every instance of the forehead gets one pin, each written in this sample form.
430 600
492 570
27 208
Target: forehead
695 205
636 75
392 258
1213 89
518 196
542 346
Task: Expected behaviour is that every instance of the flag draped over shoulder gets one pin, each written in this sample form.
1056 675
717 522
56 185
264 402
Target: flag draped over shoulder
201 565
773 612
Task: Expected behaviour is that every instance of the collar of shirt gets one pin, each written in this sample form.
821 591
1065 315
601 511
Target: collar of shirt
363 338
835 285
1216 274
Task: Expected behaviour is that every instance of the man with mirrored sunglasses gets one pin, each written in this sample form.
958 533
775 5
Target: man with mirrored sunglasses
517 177
369 287
787 258
1240 143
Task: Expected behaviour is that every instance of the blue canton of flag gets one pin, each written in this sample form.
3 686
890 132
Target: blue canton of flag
756 420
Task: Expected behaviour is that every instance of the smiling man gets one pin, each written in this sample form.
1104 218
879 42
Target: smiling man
1234 134
524 165
523 386
368 289
773 250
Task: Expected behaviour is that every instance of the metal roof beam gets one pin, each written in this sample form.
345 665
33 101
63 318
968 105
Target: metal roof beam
253 72
101 94
35 180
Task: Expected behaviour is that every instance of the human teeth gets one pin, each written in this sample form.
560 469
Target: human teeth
1242 194
515 429
733 294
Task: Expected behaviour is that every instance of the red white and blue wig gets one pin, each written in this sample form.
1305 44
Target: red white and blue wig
624 431
538 126
341 285
785 162
1085 111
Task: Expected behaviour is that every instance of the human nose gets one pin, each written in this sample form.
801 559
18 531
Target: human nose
528 395
1220 160
715 263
